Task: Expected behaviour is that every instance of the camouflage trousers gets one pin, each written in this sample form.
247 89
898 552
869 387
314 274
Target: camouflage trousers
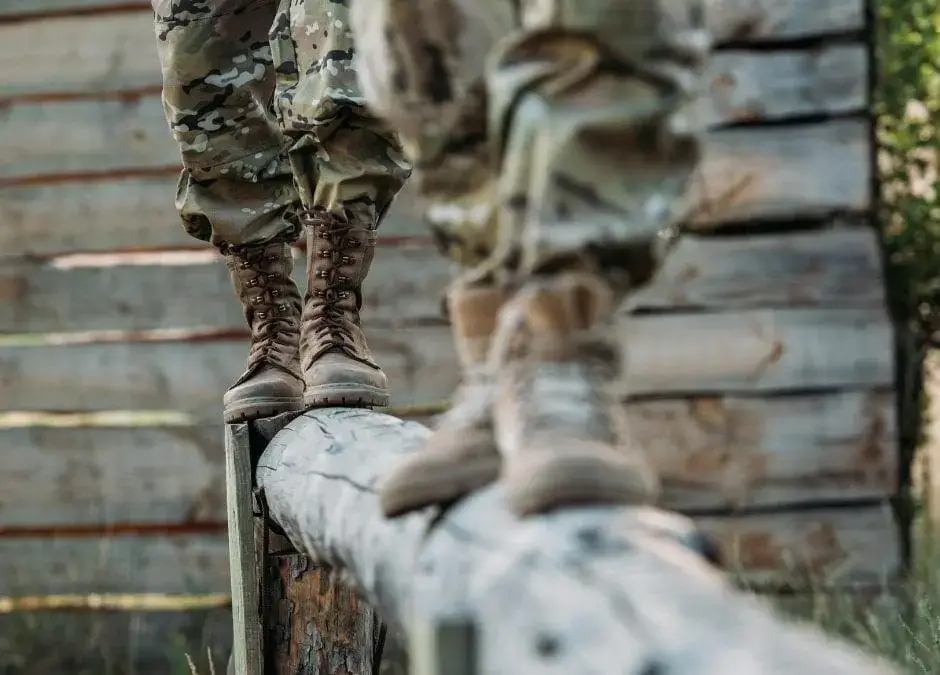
544 133
262 97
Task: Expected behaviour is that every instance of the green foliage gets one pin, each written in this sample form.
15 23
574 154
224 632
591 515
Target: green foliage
908 113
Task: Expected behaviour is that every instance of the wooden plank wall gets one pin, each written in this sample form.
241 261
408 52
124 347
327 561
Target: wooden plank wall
761 361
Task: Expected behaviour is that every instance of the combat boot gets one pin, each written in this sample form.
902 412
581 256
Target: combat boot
460 456
559 426
272 383
338 368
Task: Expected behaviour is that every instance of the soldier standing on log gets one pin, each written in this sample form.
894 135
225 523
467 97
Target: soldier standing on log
262 97
551 169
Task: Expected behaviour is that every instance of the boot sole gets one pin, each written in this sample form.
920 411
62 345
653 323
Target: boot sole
356 395
260 408
434 488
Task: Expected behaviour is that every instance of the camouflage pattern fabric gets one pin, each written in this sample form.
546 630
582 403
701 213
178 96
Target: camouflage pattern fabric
545 133
263 100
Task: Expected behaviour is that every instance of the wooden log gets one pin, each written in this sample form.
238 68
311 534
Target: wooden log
594 590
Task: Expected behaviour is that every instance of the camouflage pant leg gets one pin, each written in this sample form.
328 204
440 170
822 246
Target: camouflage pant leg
571 140
342 156
236 187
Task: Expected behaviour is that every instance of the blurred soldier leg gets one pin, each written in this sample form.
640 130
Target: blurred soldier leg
553 175
238 188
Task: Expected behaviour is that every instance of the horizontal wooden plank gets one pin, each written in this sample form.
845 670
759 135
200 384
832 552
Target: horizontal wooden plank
83 136
134 212
178 564
760 20
740 453
835 268
191 376
831 547
748 173
121 643
59 477
104 135
839 267
713 453
745 352
785 172
757 351
406 283
108 52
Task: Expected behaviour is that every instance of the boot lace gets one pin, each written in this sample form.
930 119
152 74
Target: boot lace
263 291
329 327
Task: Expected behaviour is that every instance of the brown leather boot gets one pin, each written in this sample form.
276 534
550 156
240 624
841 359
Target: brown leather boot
271 384
460 456
338 368
558 424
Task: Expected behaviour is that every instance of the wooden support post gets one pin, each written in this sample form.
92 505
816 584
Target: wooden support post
291 615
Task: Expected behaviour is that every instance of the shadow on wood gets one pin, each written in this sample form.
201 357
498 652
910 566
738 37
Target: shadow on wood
590 590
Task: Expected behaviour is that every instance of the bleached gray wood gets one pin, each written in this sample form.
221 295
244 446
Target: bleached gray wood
15 8
838 267
43 137
667 354
176 564
192 289
247 654
595 590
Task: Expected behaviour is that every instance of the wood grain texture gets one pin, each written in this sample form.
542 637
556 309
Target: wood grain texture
191 376
86 476
247 652
831 268
82 136
748 173
120 213
714 453
109 52
406 284
775 351
17 8
858 546
741 453
787 172
179 564
582 590
839 267
105 135
315 623
119 643
757 351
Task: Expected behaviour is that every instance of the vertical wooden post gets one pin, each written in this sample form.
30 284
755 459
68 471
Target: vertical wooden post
290 615
443 647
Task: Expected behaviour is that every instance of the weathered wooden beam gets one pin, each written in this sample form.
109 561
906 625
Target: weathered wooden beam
591 590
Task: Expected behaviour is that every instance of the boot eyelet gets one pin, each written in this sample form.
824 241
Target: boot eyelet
261 315
323 274
270 258
346 260
326 253
257 300
252 282
282 308
276 292
342 279
270 276
243 265
344 294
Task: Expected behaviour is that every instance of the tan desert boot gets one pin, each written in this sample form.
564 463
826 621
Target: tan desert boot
558 424
460 456
338 368
272 383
